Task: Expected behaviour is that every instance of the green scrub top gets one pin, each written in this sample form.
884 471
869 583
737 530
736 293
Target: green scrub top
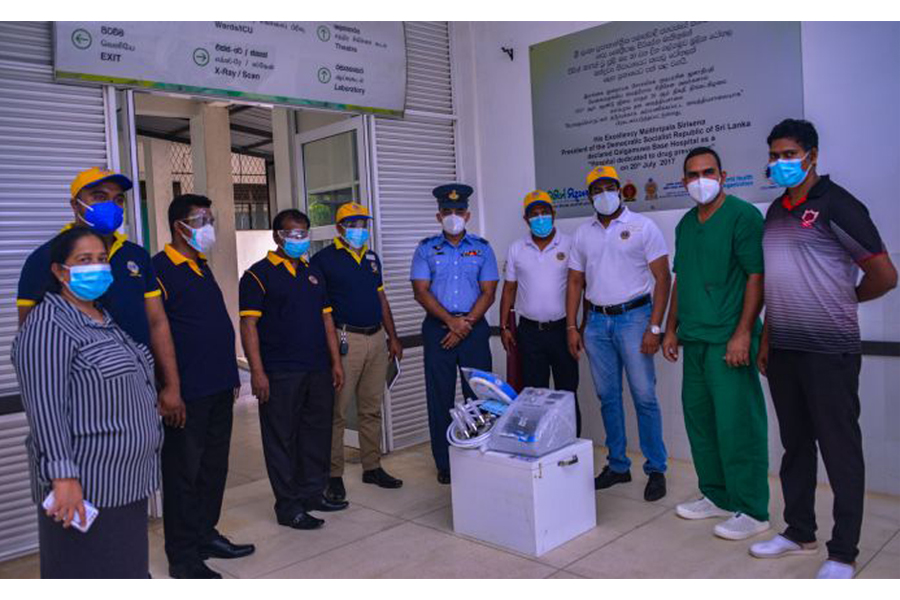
713 261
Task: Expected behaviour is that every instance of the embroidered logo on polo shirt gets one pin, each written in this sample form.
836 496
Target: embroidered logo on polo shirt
625 234
313 280
560 256
133 269
809 217
374 266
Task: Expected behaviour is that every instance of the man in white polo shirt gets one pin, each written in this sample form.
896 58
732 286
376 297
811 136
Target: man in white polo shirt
536 271
621 261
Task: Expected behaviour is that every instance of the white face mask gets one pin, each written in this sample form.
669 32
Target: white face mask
606 202
201 239
704 190
453 224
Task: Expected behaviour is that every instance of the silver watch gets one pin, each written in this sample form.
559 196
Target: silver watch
655 329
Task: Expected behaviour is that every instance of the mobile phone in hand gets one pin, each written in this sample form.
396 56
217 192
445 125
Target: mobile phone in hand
90 511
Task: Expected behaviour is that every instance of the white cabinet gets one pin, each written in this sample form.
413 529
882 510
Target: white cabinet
530 505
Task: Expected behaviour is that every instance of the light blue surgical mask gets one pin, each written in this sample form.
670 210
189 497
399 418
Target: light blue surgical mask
89 282
541 225
296 248
356 237
788 172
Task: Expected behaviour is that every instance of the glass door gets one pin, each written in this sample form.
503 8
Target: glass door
333 172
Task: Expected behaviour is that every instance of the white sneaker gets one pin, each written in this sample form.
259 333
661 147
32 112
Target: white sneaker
700 509
832 569
780 546
740 527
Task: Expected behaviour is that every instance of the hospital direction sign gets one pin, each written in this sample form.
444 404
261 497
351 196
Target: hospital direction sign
356 66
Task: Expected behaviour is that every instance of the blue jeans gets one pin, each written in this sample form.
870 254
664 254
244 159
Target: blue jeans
611 343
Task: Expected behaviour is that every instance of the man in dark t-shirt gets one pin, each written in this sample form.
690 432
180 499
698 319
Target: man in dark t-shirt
817 238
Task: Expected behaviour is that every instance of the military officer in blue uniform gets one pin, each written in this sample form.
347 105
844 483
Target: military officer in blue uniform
454 277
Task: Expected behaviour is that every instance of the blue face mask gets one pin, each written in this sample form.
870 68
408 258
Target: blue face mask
296 248
788 172
89 282
103 217
356 237
541 226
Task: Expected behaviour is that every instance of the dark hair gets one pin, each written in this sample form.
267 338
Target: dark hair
700 151
181 206
61 249
289 214
802 132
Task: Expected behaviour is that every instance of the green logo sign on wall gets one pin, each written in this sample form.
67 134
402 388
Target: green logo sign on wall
81 39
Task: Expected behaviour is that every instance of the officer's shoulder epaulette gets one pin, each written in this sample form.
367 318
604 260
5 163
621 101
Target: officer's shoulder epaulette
430 239
477 238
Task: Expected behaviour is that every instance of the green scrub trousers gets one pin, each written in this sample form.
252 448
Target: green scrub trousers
725 417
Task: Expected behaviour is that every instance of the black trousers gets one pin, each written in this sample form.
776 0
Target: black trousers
115 547
296 437
817 402
441 370
194 470
546 351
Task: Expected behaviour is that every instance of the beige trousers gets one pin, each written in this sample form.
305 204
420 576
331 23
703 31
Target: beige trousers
365 368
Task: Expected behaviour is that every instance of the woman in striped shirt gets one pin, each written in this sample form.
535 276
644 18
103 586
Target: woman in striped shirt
95 434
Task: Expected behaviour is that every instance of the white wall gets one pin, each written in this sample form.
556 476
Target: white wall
252 246
851 90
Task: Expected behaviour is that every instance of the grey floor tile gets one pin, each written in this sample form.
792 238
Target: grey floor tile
413 551
278 547
885 565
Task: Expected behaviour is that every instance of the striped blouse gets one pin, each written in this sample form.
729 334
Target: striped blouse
89 397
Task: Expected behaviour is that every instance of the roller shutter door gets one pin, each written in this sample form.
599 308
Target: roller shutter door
410 158
48 132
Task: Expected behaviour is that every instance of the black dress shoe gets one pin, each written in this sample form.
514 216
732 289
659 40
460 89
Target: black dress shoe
336 490
380 478
656 487
323 504
194 570
222 547
302 520
443 477
608 478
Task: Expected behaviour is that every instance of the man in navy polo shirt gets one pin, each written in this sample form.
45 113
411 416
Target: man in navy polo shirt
195 458
289 338
353 278
133 299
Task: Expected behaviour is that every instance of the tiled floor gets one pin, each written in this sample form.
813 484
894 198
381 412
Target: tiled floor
408 532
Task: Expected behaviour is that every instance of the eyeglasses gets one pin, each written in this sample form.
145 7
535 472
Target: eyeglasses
293 234
354 223
199 220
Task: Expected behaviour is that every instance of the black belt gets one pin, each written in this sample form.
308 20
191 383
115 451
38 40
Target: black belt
618 309
543 325
362 330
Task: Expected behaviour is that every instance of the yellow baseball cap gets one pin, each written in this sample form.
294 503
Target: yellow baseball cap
602 172
536 197
352 209
95 175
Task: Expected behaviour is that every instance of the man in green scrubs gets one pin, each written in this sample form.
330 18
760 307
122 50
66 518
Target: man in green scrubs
714 311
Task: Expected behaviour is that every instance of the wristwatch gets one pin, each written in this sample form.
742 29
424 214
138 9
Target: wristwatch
655 329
